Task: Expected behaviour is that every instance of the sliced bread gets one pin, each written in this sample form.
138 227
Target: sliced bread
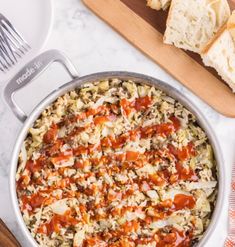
158 4
192 23
219 53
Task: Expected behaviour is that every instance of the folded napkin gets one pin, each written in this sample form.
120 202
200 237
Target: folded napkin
230 241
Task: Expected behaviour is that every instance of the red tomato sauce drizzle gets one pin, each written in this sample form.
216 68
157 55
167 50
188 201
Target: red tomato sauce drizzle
171 239
57 222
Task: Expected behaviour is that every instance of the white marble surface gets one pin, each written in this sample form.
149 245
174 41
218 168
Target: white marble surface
93 46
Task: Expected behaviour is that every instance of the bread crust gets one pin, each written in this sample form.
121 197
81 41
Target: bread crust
214 39
229 26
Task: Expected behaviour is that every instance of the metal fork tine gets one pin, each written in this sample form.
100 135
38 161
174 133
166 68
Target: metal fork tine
5 59
5 42
3 53
3 64
2 67
15 32
14 48
13 36
14 43
7 46
5 56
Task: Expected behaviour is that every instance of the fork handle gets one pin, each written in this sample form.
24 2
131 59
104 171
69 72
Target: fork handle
32 70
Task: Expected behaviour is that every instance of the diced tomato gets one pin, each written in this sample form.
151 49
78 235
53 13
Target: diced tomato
148 220
186 173
30 165
170 238
124 103
120 157
34 201
101 120
134 134
50 135
157 180
147 131
79 165
184 153
182 201
76 131
63 183
166 203
82 208
144 241
42 229
116 211
131 226
92 148
129 192
132 156
80 150
95 241
120 141
124 242
126 106
60 158
143 103
85 218
176 122
173 238
174 178
23 182
106 142
49 201
92 112
34 166
99 110
81 116
55 147
165 129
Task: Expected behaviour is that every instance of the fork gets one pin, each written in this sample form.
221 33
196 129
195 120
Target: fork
12 45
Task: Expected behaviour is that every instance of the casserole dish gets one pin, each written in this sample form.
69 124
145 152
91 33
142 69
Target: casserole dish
35 67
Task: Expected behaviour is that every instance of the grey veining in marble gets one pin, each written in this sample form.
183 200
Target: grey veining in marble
93 46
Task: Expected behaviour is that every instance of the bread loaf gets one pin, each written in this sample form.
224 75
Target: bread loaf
158 4
192 23
219 53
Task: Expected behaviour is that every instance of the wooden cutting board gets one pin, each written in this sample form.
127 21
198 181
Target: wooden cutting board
7 239
144 28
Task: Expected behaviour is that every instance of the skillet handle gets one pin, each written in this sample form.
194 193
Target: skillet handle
29 72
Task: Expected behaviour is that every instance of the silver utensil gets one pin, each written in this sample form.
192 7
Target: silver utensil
12 45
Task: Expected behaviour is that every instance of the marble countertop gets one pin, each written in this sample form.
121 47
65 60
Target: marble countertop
93 46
